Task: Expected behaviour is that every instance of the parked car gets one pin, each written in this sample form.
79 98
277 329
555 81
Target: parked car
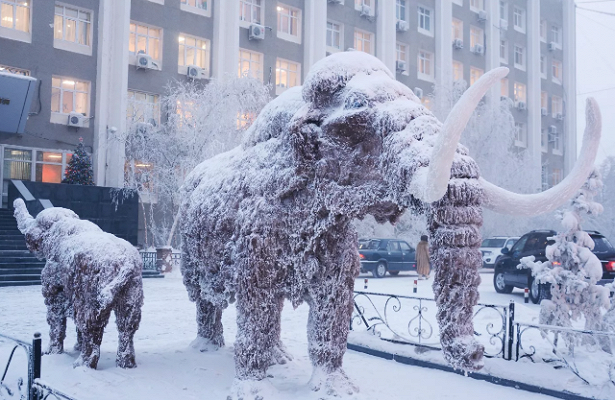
492 248
507 276
380 256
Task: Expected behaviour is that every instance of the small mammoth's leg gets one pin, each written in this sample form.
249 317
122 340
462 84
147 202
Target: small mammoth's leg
209 322
92 330
57 309
128 318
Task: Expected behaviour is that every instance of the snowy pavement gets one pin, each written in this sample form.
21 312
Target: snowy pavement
169 369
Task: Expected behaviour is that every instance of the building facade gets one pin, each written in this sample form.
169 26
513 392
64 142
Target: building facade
104 64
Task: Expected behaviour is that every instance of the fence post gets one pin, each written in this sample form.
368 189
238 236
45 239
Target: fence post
511 322
35 366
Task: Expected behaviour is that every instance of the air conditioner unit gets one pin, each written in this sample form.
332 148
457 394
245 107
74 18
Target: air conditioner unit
400 65
145 61
336 1
76 119
544 112
418 92
559 116
482 15
366 11
256 32
521 106
194 72
478 49
552 46
553 129
458 44
402 26
504 24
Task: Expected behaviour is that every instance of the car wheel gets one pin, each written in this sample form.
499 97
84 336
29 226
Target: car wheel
538 292
394 273
500 283
380 270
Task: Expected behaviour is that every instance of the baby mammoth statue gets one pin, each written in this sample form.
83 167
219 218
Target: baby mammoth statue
272 219
88 274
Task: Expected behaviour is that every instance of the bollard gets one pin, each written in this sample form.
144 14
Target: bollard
526 295
365 285
35 360
415 286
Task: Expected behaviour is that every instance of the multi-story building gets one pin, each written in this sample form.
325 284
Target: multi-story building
101 62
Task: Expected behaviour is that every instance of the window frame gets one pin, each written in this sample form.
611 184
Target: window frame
522 18
557 106
398 52
60 117
183 69
401 11
519 88
256 74
67 45
284 35
473 77
557 37
543 30
543 66
504 47
205 12
522 53
559 76
244 23
520 134
429 77
363 40
455 70
504 88
156 114
13 33
430 15
477 5
132 58
281 89
340 33
457 25
33 159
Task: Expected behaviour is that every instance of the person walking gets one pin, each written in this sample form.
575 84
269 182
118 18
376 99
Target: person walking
422 258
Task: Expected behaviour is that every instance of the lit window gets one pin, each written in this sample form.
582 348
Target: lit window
519 19
544 100
145 40
457 71
543 67
287 74
504 87
143 107
400 10
201 4
556 33
289 23
334 36
194 51
425 21
425 65
250 64
69 95
520 57
457 29
544 146
251 11
363 41
402 52
520 93
556 176
48 167
556 139
476 36
72 25
475 74
503 51
557 106
245 120
17 164
15 14
557 71
520 134
13 70
477 5
543 30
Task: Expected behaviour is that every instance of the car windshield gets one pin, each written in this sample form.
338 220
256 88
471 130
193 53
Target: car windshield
371 245
601 244
493 243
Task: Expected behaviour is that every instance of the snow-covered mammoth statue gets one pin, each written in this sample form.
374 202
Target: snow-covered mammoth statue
88 274
271 219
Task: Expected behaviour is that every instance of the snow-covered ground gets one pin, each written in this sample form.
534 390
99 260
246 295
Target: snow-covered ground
169 369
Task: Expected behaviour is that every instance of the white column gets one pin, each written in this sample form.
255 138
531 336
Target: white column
111 88
315 33
444 49
386 34
534 121
570 85
226 38
493 35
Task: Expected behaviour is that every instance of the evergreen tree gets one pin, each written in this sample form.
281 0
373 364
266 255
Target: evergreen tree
79 169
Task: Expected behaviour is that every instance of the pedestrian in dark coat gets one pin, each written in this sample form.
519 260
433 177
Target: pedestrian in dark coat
422 258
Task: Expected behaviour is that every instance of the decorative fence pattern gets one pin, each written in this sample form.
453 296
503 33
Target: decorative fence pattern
150 260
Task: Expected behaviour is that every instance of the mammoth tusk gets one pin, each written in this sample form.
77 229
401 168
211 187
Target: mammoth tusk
430 183
506 202
23 217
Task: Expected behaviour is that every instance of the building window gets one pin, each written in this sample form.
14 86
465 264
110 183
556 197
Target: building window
544 147
250 64
425 21
556 33
556 176
520 134
503 51
73 26
457 29
201 7
69 95
475 74
251 11
457 71
401 55
13 70
363 41
334 37
519 19
194 51
544 175
49 167
477 37
520 57
143 107
145 40
15 15
504 87
287 74
477 5
556 139
400 10
358 4
557 107
543 30
425 65
504 10
289 23
543 67
520 93
544 101
557 71
17 164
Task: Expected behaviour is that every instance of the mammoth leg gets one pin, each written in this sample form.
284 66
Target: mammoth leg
209 322
58 307
279 353
128 316
91 324
454 224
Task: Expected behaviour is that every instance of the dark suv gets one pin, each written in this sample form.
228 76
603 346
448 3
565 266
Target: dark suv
381 255
507 276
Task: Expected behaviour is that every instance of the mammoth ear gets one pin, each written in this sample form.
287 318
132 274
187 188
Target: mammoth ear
305 132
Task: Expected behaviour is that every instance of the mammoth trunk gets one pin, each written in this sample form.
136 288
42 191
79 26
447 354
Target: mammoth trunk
22 215
454 224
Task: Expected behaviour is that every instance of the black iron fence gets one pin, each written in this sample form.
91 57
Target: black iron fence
150 260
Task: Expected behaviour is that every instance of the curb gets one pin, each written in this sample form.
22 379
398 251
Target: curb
474 375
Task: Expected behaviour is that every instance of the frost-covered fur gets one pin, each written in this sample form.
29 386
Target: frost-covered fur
271 219
88 274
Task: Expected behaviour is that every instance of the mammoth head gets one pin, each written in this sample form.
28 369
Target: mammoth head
36 230
362 128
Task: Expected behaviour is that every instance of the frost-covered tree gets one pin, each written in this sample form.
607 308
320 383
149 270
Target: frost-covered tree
201 121
572 270
606 223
